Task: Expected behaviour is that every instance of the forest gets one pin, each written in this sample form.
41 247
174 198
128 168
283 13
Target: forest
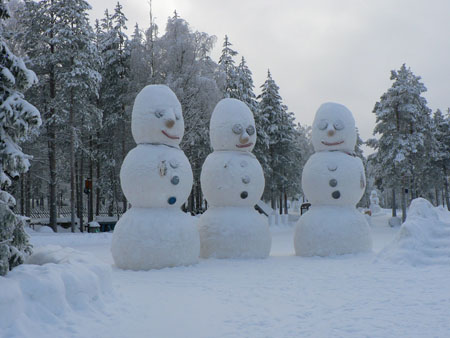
82 78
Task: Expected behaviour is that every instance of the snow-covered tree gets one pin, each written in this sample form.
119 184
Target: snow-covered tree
441 125
401 116
115 102
18 118
226 63
276 132
245 86
185 66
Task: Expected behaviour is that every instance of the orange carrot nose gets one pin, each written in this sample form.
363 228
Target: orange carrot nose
331 132
170 123
244 139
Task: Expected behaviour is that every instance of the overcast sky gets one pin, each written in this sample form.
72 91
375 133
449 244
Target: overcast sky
321 50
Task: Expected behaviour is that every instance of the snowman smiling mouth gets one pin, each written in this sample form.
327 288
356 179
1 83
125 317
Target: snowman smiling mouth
244 145
170 136
332 143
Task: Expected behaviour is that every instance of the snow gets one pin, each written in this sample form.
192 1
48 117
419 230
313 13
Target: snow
333 128
283 296
154 107
231 126
234 232
424 238
226 175
152 168
327 230
154 238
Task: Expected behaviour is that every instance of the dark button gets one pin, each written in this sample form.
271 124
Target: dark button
336 194
175 180
244 195
332 183
172 200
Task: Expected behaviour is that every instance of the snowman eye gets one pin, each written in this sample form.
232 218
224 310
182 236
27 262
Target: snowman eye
159 113
237 129
338 125
322 125
250 130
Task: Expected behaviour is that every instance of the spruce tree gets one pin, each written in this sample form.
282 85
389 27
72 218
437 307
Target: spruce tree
229 69
18 119
401 117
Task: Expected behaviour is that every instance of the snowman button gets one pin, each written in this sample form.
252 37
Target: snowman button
244 195
332 167
172 200
244 164
175 180
174 164
333 182
336 194
246 179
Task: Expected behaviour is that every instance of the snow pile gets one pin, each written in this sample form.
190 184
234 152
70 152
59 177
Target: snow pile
55 283
424 238
155 238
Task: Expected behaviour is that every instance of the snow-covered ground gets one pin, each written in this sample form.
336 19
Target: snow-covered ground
283 296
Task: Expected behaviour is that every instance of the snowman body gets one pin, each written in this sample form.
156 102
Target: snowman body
233 181
375 208
333 180
156 178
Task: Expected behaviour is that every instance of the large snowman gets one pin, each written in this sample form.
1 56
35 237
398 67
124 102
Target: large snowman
233 181
156 178
333 180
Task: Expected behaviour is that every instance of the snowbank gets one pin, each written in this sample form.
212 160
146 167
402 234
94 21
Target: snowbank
424 238
55 283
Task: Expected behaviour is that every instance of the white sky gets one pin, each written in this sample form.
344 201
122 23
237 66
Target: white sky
321 50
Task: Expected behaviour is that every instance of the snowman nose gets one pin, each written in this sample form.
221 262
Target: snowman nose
331 132
244 138
170 123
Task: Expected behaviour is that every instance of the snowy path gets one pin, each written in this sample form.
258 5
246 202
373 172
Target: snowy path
282 296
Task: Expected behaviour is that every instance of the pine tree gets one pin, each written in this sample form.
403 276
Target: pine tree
18 118
229 69
115 102
276 132
245 86
441 124
401 116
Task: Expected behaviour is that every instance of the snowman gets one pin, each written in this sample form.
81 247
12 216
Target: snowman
333 180
233 181
156 178
375 208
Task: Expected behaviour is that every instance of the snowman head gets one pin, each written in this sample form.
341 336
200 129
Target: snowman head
334 128
156 116
232 126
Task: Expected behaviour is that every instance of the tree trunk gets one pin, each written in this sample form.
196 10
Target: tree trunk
447 199
285 203
22 195
52 183
27 194
436 194
394 205
403 201
281 202
91 177
81 189
72 162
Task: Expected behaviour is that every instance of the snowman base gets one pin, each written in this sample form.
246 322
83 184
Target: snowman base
234 232
155 238
332 230
375 210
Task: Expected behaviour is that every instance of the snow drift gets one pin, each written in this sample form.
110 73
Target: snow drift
424 238
54 283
